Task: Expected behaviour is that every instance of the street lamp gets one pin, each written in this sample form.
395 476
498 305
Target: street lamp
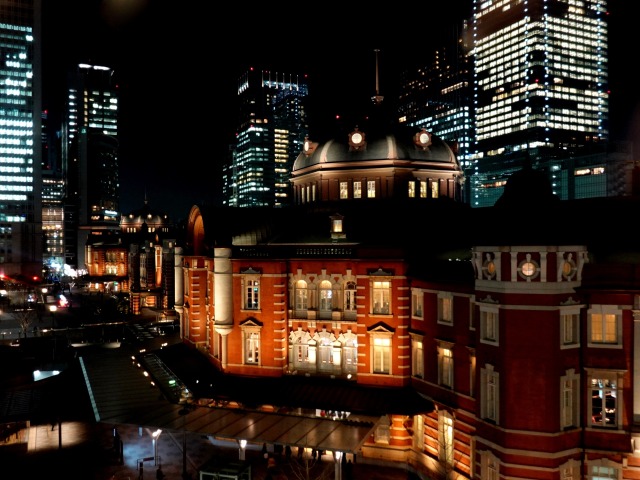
52 309
156 437
337 455
241 452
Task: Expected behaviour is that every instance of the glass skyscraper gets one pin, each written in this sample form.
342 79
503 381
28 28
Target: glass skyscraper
20 151
271 130
540 87
90 156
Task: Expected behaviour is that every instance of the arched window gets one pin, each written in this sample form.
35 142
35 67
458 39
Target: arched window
326 298
301 295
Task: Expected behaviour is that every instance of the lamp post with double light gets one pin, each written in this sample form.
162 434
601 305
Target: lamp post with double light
156 437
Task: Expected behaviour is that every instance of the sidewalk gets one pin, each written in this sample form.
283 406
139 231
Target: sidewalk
138 446
85 451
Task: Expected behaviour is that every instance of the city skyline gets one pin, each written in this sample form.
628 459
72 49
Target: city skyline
156 91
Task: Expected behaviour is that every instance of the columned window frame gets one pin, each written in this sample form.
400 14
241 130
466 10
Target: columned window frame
417 303
251 348
417 355
489 324
445 308
250 289
570 399
381 339
604 398
445 363
445 438
490 394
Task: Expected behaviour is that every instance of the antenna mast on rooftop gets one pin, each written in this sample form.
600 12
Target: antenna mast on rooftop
377 98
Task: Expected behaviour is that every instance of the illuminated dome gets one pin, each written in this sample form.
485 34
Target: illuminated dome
394 160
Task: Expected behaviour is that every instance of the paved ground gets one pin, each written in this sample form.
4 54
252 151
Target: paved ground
78 448
88 452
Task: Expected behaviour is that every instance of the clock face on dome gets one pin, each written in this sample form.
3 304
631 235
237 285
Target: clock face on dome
422 139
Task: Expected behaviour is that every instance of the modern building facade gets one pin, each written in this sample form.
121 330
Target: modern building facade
540 90
53 193
90 156
438 95
271 129
20 155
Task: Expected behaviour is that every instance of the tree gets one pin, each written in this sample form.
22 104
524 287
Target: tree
308 466
23 311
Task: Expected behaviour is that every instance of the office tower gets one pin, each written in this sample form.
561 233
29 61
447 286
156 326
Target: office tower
90 156
52 203
271 130
437 95
540 94
20 110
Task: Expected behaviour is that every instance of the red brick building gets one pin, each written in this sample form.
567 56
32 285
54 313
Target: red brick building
517 321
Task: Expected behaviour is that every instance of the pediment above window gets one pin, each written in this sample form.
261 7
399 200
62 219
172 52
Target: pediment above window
250 271
380 273
381 327
251 322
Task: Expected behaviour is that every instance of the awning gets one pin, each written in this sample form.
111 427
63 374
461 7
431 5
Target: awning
122 394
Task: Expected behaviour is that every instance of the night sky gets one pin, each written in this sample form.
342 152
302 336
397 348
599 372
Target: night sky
177 73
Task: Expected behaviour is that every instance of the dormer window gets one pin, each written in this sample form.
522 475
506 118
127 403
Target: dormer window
336 226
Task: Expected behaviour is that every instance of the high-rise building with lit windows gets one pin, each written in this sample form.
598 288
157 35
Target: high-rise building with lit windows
540 94
271 130
20 154
90 158
436 95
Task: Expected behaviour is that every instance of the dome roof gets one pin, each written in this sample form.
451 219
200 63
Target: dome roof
398 143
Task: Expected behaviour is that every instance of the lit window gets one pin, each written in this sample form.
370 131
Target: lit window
381 354
252 293
423 189
303 350
472 372
412 189
435 189
350 297
417 357
570 470
417 300
604 391
445 437
603 469
490 466
371 189
445 364
251 346
605 324
326 296
344 190
381 295
301 295
418 432
357 189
